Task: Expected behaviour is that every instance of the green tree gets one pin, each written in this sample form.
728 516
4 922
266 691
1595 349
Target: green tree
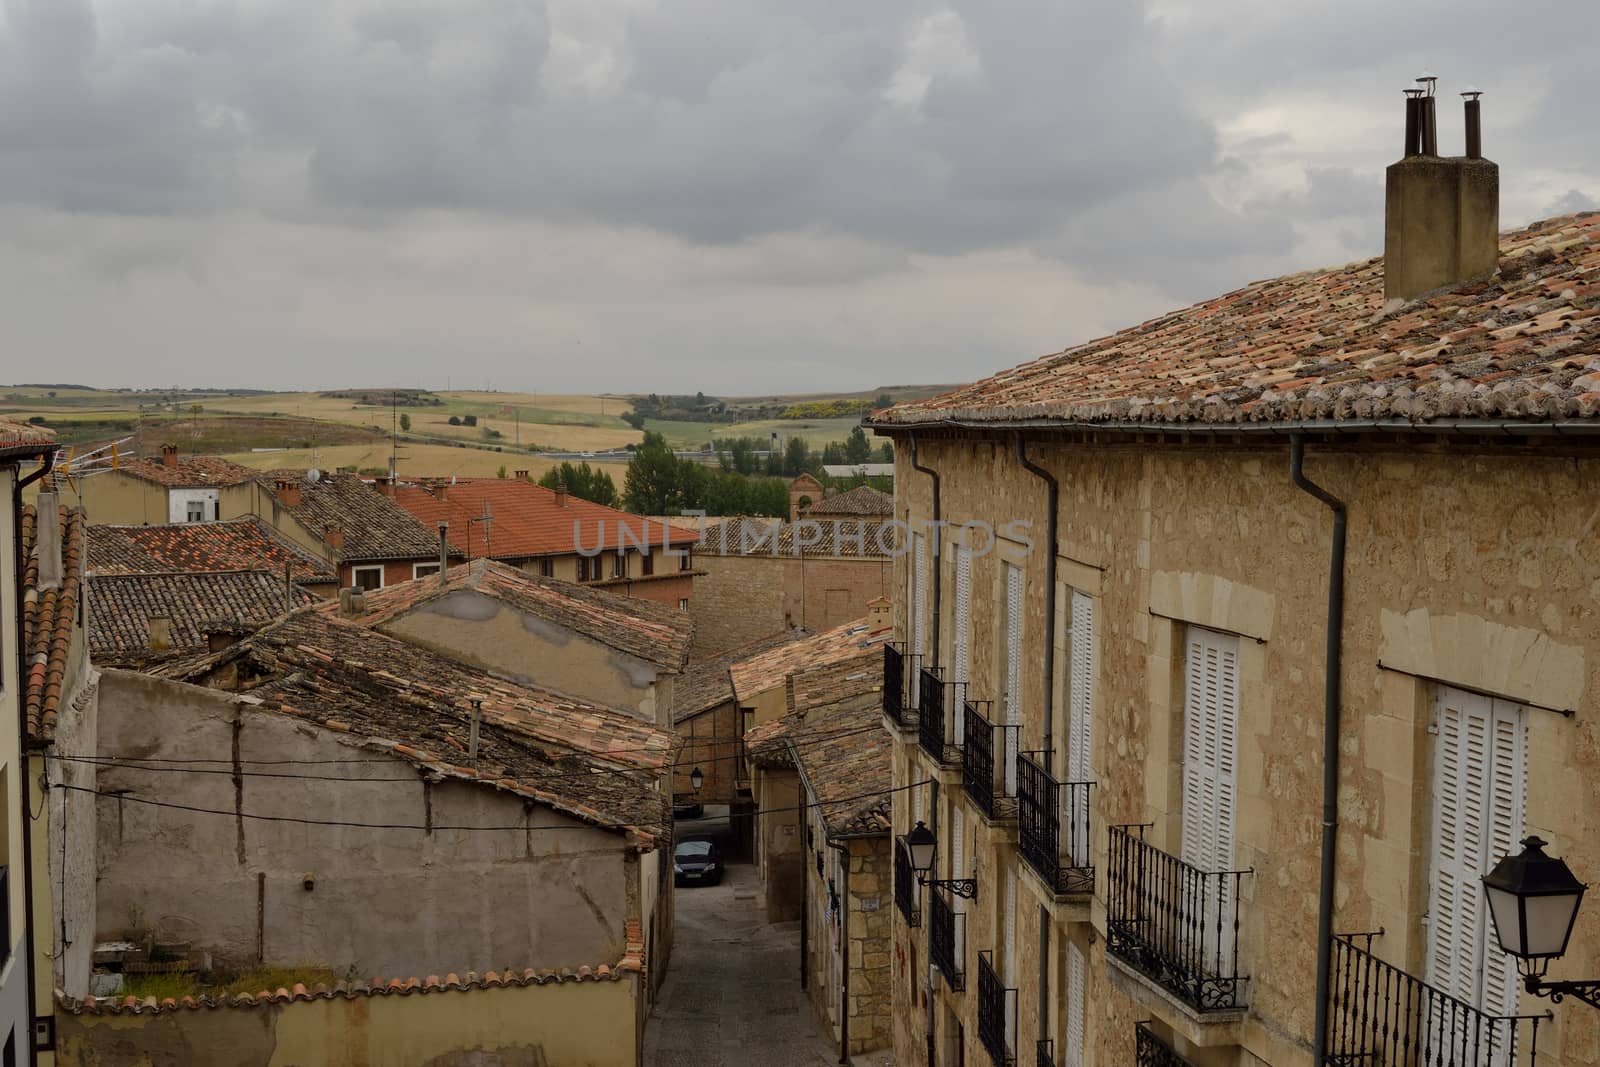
856 447
884 400
651 484
455 420
796 456
886 452
501 473
582 481
832 453
469 420
405 421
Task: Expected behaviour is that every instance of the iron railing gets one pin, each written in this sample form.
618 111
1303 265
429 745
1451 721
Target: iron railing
1151 1051
1044 1053
990 782
1381 1015
1173 922
940 718
945 927
905 886
1053 827
900 677
997 1012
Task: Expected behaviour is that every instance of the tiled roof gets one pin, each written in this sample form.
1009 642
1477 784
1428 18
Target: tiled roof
123 605
373 526
766 670
863 500
49 617
649 631
632 962
236 544
707 683
834 743
528 521
810 538
1523 344
593 763
23 438
191 472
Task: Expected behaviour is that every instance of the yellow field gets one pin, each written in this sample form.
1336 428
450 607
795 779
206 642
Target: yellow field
416 461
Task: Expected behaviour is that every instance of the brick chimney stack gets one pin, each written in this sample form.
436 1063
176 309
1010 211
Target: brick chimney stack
561 494
169 455
334 535
287 490
1442 214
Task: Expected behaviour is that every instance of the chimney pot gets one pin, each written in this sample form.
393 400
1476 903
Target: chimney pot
334 535
288 492
169 455
1474 121
561 494
522 476
160 631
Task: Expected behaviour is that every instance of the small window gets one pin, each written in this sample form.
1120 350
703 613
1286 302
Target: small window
423 570
647 564
683 603
686 560
367 578
619 565
195 511
547 566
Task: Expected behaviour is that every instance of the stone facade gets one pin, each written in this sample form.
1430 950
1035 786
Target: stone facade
1472 566
742 598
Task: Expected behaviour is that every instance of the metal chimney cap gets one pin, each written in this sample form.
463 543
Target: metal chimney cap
1472 92
1415 94
1427 79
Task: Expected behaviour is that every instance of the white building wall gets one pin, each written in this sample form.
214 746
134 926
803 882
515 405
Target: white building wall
178 501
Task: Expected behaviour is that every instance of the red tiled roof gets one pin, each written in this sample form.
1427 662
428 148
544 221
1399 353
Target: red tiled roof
21 438
757 674
49 617
706 684
652 632
594 763
195 602
528 521
1523 344
235 544
193 472
632 962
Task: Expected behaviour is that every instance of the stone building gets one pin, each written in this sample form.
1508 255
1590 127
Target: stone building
823 770
707 720
174 488
1187 798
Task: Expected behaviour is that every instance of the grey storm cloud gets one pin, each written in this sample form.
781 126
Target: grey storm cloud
627 170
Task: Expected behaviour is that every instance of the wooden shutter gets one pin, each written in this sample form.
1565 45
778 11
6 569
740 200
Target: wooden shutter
1210 727
961 652
919 598
1080 730
1076 1002
1009 924
1013 710
1480 767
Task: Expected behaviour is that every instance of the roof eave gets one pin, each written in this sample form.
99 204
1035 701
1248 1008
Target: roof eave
1284 428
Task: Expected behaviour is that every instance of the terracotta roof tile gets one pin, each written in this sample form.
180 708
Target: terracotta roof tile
371 525
810 538
193 472
196 603
235 544
1523 344
49 618
23 438
766 670
863 500
707 683
649 631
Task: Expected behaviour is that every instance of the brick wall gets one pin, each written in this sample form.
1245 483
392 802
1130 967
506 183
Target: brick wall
745 598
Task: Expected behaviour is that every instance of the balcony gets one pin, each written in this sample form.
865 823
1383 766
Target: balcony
945 938
990 784
939 716
1150 1051
1174 923
1053 827
997 1013
905 886
900 677
1044 1053
1380 1014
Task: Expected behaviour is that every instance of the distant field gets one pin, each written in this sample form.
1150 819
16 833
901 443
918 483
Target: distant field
817 432
416 461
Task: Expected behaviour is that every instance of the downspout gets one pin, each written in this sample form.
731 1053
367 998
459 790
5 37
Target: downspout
844 950
1052 502
805 861
46 464
938 568
1330 741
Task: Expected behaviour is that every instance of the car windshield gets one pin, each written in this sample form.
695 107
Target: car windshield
694 848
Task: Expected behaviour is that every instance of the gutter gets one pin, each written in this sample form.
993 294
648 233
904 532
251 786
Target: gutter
1052 503
938 567
47 463
1285 427
1330 740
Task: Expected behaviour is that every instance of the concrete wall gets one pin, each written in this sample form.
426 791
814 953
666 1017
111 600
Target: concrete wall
551 892
574 1024
1471 567
467 625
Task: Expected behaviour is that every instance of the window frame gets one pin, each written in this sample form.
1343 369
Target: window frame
355 576
417 570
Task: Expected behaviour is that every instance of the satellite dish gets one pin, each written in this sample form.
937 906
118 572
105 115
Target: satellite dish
313 475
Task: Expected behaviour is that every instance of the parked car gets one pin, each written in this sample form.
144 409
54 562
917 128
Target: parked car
696 860
687 809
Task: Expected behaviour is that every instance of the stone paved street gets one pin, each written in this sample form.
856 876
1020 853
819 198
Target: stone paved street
732 996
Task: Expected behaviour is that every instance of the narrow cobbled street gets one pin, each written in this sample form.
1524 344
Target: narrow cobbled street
732 995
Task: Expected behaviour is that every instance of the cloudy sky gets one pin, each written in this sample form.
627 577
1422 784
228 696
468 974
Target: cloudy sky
727 195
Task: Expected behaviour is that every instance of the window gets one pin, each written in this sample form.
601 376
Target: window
619 565
547 566
683 603
958 869
1479 787
1013 693
588 568
1080 705
423 570
961 651
1009 963
1210 727
1076 1001
367 578
686 560
647 563
195 511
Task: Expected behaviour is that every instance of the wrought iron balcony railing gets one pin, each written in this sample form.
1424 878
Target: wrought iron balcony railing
1151 1051
1173 922
1053 826
900 679
1379 1014
940 715
997 1013
1044 1053
945 940
905 886
988 762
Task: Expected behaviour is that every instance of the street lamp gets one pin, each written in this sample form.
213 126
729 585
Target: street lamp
697 778
922 846
1534 900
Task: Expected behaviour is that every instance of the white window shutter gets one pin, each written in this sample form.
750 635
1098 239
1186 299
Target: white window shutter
958 869
1211 714
1507 807
1013 709
1009 964
1080 729
960 649
1076 1003
919 597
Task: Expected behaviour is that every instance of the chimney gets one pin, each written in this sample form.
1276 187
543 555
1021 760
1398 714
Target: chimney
160 629
169 455
334 536
352 601
444 553
561 494
1442 214
441 491
878 614
287 490
47 541
384 485
522 476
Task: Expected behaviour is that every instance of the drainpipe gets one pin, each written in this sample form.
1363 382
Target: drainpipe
938 568
1052 502
1330 740
805 862
844 950
46 464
